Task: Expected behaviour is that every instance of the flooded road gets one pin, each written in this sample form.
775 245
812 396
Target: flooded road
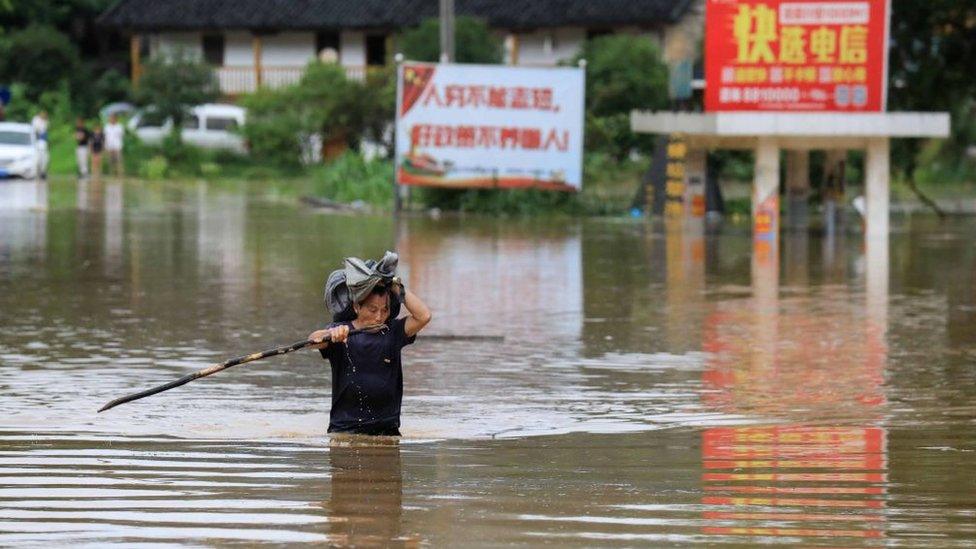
630 386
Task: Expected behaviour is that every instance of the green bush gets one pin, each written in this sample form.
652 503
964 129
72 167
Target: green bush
209 169
154 168
495 201
473 42
350 177
273 126
324 101
609 184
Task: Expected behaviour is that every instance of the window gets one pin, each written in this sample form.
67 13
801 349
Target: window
213 49
15 138
596 33
191 122
325 40
150 119
549 44
375 49
221 124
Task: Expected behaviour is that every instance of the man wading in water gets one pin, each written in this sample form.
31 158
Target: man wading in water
367 379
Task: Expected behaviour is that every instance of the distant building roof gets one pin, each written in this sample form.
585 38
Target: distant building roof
383 14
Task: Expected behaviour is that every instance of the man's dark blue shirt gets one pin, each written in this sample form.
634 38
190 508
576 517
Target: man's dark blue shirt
367 380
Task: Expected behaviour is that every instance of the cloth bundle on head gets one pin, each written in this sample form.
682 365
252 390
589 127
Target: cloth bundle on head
354 282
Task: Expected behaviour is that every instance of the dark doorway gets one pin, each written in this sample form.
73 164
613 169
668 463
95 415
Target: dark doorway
325 40
213 49
375 49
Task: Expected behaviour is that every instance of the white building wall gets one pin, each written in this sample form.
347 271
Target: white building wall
170 43
681 40
549 46
238 49
352 49
288 49
291 49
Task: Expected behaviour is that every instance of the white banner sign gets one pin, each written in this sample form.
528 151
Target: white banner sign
464 126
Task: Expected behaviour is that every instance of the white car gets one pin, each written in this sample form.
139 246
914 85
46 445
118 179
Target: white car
210 126
20 155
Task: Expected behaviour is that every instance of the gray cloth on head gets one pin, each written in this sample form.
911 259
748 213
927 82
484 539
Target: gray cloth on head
354 282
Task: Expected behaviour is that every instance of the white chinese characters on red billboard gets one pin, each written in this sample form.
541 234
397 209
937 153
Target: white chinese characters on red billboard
466 126
782 55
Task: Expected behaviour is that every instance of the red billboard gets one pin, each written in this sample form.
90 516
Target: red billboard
792 55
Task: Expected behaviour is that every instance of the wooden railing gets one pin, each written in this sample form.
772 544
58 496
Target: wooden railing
235 80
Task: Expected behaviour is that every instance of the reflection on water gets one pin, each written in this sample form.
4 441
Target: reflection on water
366 502
653 387
794 481
23 207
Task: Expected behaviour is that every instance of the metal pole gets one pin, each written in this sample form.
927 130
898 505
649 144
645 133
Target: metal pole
397 203
447 30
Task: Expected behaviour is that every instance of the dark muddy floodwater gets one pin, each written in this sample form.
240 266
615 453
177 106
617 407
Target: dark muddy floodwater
652 388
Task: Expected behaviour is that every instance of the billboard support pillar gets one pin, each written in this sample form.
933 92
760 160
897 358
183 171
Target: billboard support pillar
876 183
797 189
765 214
765 190
695 168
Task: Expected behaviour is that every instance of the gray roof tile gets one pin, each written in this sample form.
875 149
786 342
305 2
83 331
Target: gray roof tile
382 14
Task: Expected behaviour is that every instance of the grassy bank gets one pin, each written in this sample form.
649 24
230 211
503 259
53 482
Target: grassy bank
608 189
608 186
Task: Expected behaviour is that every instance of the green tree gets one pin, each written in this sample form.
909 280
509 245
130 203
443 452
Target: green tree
171 84
274 126
39 57
323 102
58 13
377 104
623 73
473 41
933 44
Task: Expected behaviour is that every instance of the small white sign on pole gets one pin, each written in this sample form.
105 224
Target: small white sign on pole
486 126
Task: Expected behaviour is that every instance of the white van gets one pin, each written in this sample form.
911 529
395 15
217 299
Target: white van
210 126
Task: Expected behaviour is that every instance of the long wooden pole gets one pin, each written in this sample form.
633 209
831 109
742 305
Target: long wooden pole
210 370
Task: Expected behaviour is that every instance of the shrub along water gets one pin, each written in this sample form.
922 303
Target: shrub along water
350 177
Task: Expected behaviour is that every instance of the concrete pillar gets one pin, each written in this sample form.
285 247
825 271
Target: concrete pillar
876 183
765 229
695 191
876 180
876 282
876 303
797 189
765 192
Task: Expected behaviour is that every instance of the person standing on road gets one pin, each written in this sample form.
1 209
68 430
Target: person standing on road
83 146
97 146
39 124
114 134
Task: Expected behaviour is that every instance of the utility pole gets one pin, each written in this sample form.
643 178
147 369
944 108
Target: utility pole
447 31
